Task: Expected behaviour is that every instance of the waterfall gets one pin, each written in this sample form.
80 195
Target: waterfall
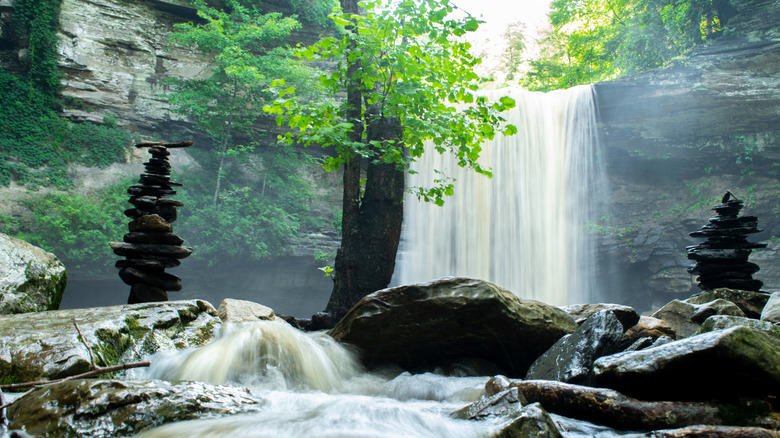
525 229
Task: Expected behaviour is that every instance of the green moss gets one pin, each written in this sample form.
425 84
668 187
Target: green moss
745 413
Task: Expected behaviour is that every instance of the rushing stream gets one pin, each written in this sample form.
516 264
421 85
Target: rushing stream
316 387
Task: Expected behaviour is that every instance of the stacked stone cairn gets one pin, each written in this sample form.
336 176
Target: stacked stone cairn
722 260
150 245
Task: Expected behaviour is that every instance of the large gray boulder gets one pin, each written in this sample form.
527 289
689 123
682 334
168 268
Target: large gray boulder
751 303
46 345
31 279
113 408
686 318
423 324
724 364
571 358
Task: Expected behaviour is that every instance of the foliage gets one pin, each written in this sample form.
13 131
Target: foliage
36 23
36 145
414 68
248 50
594 40
314 11
76 227
256 218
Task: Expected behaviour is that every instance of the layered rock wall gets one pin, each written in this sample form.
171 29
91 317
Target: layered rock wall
677 138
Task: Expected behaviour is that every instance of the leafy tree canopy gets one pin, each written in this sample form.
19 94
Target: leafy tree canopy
594 40
412 67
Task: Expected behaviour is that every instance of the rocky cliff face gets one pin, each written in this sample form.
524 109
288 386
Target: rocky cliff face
678 138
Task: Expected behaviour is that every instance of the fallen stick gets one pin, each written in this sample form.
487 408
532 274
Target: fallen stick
95 372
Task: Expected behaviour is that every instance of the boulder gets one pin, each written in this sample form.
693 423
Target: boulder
113 408
46 345
721 322
231 310
627 315
521 420
750 302
771 311
686 318
426 323
649 327
31 279
571 358
725 364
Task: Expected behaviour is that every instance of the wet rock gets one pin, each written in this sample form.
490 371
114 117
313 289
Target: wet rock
532 421
771 312
571 358
496 384
686 318
717 307
112 408
724 364
678 315
150 222
627 315
31 279
521 420
714 432
650 327
46 345
506 403
231 310
450 318
721 322
749 302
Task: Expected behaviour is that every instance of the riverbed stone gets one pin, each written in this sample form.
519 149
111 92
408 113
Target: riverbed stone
31 279
771 311
649 327
46 345
571 358
114 408
686 318
721 322
627 315
751 303
426 323
723 364
232 310
531 421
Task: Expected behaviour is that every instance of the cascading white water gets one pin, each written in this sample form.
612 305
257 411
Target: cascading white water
525 228
313 386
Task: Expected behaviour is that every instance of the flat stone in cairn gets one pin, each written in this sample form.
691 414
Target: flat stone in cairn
150 245
722 260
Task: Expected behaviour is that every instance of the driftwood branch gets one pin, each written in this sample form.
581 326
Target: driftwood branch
84 341
88 374
613 409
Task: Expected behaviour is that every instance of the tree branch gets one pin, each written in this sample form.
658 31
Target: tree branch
95 372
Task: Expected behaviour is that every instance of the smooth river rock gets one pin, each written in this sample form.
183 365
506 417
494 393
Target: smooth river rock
31 279
571 358
46 345
686 318
450 318
114 408
232 310
724 364
751 303
627 315
771 312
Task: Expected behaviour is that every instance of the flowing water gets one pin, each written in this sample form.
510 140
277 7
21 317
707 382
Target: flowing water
525 229
313 386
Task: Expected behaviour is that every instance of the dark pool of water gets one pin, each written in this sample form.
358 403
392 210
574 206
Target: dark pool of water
291 286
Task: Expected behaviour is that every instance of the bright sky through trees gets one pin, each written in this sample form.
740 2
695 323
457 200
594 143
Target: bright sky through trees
489 41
